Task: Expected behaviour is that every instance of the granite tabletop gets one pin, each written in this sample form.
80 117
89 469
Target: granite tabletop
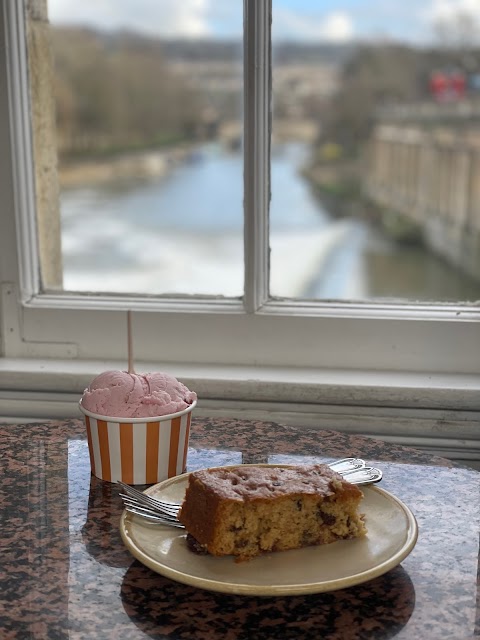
65 572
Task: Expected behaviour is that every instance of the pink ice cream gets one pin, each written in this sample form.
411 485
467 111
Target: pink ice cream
136 395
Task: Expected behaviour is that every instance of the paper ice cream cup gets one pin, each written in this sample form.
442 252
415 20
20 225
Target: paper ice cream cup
138 450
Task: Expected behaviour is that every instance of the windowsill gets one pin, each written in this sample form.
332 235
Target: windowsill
439 413
407 390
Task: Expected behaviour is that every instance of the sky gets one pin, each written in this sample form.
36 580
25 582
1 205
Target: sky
299 20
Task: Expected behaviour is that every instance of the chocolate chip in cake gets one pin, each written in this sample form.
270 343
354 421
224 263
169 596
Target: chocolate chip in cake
195 546
327 518
308 538
241 544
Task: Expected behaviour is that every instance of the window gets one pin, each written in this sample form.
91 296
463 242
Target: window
318 339
150 164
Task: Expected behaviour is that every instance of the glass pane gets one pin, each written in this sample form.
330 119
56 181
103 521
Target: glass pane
148 103
375 151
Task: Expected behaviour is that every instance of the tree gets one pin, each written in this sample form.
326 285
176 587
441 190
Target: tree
117 91
374 76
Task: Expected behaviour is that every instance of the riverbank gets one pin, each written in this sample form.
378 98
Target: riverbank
339 188
136 165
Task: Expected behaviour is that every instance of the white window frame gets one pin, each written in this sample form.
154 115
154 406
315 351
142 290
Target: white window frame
260 353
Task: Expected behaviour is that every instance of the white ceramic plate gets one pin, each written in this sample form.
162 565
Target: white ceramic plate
392 534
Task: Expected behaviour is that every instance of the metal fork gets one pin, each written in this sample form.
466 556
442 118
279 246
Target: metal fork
161 512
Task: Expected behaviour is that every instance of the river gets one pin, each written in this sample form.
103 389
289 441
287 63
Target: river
183 233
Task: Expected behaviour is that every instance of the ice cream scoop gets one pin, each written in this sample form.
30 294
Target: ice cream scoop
136 395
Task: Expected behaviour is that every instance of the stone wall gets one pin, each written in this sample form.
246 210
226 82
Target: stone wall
40 68
431 174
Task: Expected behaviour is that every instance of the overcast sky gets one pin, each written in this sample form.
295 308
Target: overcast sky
304 20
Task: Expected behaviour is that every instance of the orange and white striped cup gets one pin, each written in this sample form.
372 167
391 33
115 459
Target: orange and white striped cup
138 450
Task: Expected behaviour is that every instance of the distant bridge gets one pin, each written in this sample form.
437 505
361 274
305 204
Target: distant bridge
230 132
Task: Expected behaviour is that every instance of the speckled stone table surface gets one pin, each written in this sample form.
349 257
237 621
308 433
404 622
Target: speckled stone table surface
65 573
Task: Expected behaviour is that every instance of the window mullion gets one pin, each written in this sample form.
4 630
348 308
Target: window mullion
257 129
21 149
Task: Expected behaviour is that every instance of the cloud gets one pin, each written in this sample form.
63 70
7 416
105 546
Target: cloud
446 10
197 18
156 17
454 21
337 26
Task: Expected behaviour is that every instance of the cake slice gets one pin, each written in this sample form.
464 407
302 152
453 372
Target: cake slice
248 510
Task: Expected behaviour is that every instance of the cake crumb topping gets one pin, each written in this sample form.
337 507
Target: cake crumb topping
255 482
